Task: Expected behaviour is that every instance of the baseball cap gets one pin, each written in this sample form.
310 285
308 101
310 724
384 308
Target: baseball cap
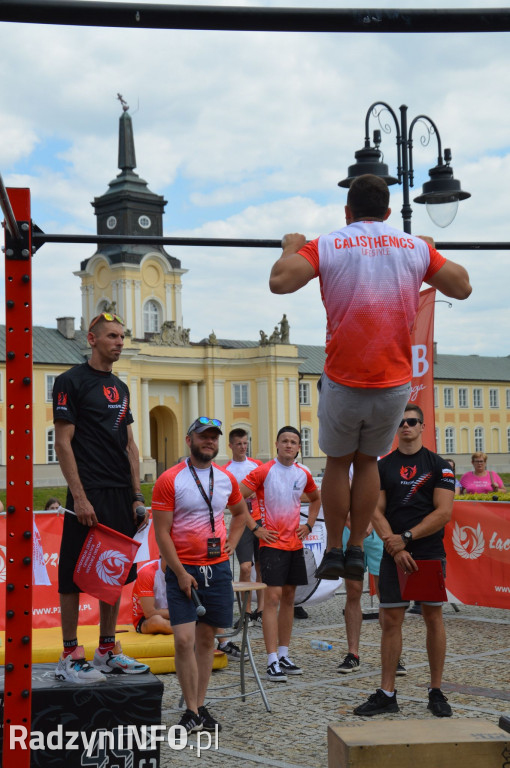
203 423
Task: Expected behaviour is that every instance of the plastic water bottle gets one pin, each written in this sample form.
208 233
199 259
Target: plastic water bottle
320 645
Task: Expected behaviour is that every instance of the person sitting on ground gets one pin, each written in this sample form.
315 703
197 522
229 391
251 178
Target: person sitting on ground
150 607
481 480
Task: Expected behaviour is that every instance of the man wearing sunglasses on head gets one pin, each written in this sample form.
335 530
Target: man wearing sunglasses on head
188 502
100 462
370 276
415 503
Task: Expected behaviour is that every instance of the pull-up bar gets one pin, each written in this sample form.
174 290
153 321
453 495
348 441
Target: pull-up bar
235 18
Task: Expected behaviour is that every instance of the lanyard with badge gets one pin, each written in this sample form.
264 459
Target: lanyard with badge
213 543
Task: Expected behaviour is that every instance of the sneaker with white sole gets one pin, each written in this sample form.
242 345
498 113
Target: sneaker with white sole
232 650
349 664
401 670
191 721
116 662
275 673
74 668
288 667
256 619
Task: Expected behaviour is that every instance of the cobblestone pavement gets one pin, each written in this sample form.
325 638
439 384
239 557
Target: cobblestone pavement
294 734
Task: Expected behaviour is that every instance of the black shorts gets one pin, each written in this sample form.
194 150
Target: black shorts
139 625
248 548
114 508
279 567
389 585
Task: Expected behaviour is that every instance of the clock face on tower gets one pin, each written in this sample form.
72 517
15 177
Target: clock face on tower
144 222
111 222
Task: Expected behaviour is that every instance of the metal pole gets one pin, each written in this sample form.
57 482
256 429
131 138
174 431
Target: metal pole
10 219
407 211
235 18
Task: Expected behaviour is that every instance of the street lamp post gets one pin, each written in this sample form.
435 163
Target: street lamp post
441 193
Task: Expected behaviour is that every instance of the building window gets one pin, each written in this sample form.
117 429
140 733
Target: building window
51 456
496 443
479 441
151 317
508 398
241 394
494 398
438 447
477 399
463 397
436 398
306 442
449 440
50 381
448 397
304 393
508 439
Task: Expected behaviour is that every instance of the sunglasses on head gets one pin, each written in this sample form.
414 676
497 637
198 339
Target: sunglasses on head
411 422
106 316
202 421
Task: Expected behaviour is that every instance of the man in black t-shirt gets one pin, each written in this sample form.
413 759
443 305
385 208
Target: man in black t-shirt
100 462
415 503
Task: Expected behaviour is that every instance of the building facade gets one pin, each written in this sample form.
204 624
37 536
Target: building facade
258 385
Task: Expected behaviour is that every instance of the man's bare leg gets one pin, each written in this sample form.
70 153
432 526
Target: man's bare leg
186 663
336 497
204 653
364 495
270 623
436 642
353 614
69 613
286 614
391 620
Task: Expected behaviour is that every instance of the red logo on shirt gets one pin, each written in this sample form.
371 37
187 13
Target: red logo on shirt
111 394
407 472
62 398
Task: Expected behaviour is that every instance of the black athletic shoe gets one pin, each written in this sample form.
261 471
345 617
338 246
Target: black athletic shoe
415 609
299 612
438 703
332 565
349 664
288 668
354 563
378 704
208 721
191 721
401 670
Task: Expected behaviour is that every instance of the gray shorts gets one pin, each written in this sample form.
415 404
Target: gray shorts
359 419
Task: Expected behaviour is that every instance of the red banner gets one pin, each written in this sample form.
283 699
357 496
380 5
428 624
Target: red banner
477 543
46 601
104 563
422 382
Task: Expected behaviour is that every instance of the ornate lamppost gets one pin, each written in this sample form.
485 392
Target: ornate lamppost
441 193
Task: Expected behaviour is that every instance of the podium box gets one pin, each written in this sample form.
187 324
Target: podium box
115 703
429 743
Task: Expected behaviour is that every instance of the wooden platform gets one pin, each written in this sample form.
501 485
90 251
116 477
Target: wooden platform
155 650
431 743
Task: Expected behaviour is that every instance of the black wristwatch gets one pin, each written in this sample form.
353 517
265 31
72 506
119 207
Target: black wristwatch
407 537
257 525
309 527
139 497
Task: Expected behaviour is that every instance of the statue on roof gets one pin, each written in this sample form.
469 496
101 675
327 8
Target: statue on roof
284 330
275 336
264 341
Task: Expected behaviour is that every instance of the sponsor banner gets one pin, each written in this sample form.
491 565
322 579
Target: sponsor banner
422 383
45 598
477 544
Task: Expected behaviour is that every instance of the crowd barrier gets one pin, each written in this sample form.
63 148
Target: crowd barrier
477 542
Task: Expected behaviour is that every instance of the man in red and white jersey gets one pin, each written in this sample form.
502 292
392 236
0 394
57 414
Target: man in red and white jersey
279 485
247 550
150 608
370 276
188 503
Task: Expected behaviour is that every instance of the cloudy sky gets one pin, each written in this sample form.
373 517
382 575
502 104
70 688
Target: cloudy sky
247 135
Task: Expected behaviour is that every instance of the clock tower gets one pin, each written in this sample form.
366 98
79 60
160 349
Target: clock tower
144 281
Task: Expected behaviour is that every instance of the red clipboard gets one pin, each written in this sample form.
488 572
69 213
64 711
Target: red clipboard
426 584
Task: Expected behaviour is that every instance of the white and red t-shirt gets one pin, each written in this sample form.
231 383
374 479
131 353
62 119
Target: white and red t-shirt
176 491
240 469
144 587
279 489
370 276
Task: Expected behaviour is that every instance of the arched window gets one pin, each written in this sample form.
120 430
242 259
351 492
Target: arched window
306 442
479 440
151 317
449 440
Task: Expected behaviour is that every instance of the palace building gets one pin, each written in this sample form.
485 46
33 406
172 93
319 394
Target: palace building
259 385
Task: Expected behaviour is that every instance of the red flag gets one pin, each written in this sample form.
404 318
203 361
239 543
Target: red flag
104 563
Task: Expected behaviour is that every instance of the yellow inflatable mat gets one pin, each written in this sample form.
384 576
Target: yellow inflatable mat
155 650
